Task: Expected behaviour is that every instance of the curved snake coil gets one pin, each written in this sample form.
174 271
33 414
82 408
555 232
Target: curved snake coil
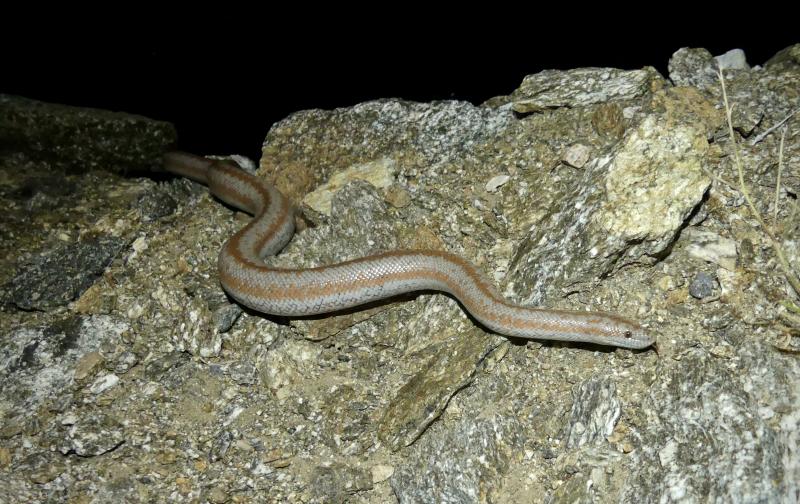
300 292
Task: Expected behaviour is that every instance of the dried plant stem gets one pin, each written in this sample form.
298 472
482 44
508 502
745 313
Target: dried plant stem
778 181
719 178
780 123
788 272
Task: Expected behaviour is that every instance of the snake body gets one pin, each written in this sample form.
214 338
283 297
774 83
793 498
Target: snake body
310 291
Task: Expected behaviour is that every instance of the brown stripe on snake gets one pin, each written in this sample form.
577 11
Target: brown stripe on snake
300 292
284 213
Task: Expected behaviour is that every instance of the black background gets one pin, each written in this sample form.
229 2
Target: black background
224 85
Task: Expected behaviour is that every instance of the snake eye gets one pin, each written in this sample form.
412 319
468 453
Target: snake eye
627 334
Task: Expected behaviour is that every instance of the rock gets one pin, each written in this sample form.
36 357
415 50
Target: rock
577 155
496 182
420 401
595 411
380 472
40 364
225 316
709 246
580 87
638 199
787 59
57 276
244 373
379 173
734 59
702 285
693 67
704 400
125 362
83 138
93 435
87 365
5 458
103 383
42 467
335 482
218 495
460 464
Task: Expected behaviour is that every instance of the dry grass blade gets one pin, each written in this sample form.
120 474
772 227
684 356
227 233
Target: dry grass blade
786 268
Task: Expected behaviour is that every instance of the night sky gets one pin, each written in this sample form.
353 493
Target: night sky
223 91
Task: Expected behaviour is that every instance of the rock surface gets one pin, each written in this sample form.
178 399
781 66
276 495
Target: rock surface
82 139
133 378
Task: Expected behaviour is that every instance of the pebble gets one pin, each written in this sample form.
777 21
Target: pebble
702 285
104 383
381 472
496 182
576 156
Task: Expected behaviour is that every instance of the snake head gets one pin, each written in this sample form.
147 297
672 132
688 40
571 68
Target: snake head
629 334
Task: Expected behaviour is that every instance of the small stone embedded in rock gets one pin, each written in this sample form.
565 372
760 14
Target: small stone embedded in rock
398 196
576 155
41 467
5 457
93 435
496 182
156 204
218 495
87 365
243 373
381 472
380 173
125 362
221 445
165 366
709 246
702 285
225 316
334 482
104 383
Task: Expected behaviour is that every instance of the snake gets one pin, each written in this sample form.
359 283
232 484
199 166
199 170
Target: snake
301 292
